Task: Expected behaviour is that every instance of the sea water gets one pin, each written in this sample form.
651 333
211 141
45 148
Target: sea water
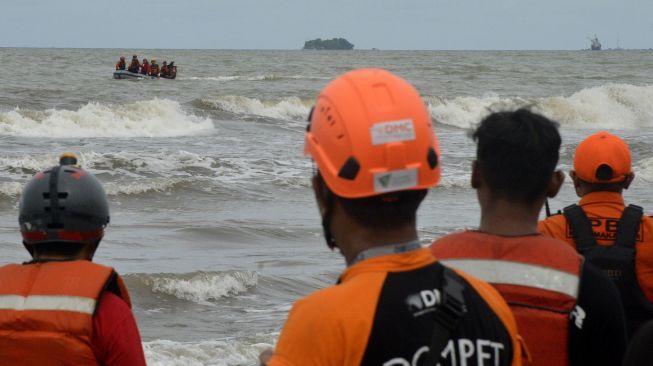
213 223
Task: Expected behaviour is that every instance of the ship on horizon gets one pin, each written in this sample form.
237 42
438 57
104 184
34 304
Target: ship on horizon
596 45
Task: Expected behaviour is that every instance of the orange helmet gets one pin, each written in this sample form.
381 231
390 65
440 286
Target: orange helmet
370 133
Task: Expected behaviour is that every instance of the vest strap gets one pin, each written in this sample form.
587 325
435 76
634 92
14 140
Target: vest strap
580 227
628 226
447 315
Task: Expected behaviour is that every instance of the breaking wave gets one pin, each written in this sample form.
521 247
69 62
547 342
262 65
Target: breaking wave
267 77
292 108
228 352
199 287
644 171
611 106
154 118
132 173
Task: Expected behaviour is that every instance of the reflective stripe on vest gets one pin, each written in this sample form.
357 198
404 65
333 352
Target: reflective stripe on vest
54 303
519 274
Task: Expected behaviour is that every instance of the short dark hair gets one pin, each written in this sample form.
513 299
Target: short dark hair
385 211
517 153
67 249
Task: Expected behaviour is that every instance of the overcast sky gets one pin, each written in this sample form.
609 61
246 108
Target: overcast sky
286 24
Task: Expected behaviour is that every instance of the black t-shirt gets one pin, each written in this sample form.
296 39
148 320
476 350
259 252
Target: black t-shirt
640 350
597 332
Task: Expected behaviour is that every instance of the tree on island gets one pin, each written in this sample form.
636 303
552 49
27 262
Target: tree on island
328 44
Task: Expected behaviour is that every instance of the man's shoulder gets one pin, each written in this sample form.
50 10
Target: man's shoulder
453 237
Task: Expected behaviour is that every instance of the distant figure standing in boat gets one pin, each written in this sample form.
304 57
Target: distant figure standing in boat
134 65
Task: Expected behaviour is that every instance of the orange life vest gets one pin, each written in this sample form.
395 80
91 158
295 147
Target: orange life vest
154 69
46 311
539 278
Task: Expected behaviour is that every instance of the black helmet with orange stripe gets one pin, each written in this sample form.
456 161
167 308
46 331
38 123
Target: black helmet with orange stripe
64 203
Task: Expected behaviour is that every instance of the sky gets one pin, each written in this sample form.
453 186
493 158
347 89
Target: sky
287 24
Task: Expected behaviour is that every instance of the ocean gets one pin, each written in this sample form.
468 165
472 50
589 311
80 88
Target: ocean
213 223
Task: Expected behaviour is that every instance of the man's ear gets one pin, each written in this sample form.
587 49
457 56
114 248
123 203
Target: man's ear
320 192
629 180
476 175
577 183
557 178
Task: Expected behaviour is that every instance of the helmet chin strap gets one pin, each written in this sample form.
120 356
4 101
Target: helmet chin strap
326 221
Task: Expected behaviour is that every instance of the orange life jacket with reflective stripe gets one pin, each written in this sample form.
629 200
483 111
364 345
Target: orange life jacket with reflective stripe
46 311
538 277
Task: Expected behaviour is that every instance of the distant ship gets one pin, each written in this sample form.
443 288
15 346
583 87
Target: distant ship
596 45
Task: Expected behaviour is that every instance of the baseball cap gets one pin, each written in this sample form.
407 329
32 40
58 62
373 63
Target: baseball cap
602 158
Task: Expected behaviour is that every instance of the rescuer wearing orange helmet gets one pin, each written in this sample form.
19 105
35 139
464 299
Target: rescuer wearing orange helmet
61 308
616 238
568 311
372 140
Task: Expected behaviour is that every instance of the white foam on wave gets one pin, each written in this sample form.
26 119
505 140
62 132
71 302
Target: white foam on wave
644 170
611 106
215 352
154 118
133 173
201 287
236 77
291 108
267 77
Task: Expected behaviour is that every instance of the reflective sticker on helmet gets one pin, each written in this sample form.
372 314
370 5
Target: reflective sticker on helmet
393 131
395 180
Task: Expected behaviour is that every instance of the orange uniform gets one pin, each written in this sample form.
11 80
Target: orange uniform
382 313
47 311
542 280
604 209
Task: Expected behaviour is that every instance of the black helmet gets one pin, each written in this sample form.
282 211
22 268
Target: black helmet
63 204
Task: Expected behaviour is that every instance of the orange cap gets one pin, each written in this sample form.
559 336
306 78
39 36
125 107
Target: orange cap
602 148
370 133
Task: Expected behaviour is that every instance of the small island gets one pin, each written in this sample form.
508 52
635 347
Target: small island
328 44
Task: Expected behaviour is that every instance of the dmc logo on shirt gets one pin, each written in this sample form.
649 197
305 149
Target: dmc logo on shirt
423 302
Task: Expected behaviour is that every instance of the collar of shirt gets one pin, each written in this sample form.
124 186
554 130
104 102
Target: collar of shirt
602 197
385 250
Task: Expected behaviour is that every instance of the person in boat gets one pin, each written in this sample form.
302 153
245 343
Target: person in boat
154 68
134 65
121 65
165 70
376 153
62 308
615 237
567 310
145 67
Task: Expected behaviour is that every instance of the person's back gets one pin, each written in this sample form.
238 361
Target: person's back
154 68
372 140
614 237
120 65
165 71
145 67
60 308
134 65
568 312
